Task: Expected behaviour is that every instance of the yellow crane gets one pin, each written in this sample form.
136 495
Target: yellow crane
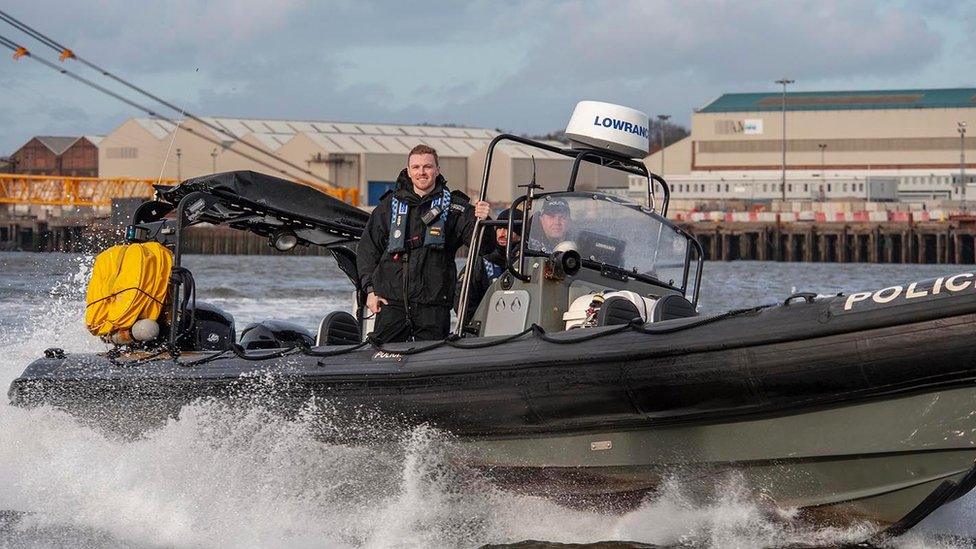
56 190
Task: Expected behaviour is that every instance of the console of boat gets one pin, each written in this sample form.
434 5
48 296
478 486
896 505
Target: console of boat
586 373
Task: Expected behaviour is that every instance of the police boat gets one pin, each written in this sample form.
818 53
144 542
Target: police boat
585 374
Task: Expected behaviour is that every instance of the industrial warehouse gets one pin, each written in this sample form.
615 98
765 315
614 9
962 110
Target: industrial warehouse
902 145
852 159
364 158
908 145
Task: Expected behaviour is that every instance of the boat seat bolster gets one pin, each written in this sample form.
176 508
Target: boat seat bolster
338 328
672 306
617 310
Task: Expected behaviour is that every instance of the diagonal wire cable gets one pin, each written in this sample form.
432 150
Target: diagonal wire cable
29 31
16 48
69 54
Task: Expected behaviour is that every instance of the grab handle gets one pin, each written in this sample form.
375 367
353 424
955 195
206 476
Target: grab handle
806 296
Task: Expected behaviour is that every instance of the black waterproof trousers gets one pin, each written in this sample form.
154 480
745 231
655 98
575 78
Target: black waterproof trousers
424 323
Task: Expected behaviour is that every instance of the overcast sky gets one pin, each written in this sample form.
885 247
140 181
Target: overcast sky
519 66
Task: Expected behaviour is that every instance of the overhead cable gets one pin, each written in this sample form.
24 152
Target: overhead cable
66 53
23 52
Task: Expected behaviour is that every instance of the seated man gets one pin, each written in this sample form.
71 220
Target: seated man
490 267
555 220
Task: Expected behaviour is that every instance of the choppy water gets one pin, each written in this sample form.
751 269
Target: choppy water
217 478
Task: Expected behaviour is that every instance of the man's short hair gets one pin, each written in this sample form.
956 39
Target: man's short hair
424 149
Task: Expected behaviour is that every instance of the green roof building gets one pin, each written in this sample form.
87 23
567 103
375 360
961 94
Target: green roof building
913 136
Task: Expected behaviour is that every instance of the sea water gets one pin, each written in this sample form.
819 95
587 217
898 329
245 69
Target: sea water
248 478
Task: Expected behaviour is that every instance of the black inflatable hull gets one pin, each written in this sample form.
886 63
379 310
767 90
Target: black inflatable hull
817 396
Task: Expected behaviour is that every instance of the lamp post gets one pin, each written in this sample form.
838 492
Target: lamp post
823 165
961 127
784 82
179 171
213 158
664 119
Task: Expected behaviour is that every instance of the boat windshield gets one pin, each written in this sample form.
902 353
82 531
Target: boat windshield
608 231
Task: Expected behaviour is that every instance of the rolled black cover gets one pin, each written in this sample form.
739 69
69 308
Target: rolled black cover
302 201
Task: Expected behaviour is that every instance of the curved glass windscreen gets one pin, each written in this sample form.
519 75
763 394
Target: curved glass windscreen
605 231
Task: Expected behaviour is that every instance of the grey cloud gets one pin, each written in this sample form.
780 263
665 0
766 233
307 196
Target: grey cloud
720 41
292 59
672 57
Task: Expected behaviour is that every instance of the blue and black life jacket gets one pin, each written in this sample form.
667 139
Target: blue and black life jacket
434 233
492 271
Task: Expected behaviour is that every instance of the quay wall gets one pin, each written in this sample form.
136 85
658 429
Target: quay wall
897 239
908 241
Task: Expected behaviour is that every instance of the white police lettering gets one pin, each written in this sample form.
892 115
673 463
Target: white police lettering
879 296
621 125
951 285
383 355
955 283
912 294
854 298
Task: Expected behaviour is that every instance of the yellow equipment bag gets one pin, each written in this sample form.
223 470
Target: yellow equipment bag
128 283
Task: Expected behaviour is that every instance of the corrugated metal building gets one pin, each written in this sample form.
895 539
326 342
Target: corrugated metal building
367 157
351 155
838 140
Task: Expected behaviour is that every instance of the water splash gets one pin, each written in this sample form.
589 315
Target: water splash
245 476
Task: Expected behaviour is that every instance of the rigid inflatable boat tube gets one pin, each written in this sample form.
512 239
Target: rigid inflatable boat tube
128 283
536 330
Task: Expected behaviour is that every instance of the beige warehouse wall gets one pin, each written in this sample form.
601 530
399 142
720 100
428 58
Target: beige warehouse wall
884 139
300 150
850 123
501 187
677 159
131 151
383 167
229 160
455 170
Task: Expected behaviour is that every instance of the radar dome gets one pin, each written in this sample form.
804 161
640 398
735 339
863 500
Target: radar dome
598 125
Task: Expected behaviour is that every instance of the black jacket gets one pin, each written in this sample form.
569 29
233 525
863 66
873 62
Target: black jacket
480 281
424 275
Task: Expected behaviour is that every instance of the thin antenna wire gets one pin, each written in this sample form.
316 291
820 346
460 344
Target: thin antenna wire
171 141
66 53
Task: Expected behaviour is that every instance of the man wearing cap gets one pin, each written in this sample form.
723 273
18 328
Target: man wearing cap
554 220
406 254
488 267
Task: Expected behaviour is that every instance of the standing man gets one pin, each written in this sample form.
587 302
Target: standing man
406 255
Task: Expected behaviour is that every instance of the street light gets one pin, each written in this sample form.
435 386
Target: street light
784 82
179 171
213 157
823 165
962 159
664 119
